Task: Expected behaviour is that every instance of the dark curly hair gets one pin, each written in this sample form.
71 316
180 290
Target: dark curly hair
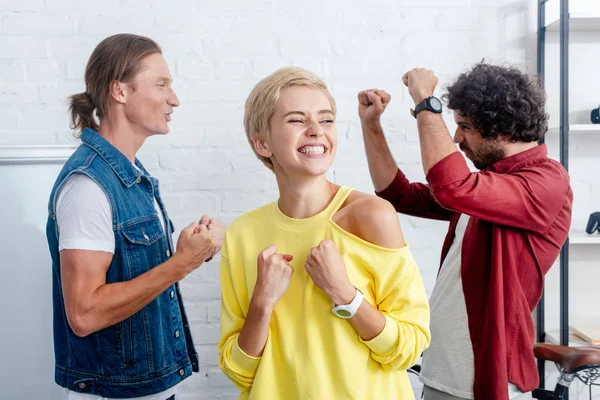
500 100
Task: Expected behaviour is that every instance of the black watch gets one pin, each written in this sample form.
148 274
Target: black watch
431 103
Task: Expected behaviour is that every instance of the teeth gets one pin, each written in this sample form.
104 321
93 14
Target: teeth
312 150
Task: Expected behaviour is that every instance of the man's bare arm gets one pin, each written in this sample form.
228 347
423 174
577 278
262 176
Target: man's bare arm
92 304
434 138
382 166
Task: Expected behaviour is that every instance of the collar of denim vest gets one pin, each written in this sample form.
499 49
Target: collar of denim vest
123 168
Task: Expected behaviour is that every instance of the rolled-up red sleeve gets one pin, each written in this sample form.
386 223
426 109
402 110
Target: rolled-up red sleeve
413 199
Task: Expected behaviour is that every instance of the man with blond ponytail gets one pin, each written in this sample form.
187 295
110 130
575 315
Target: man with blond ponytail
120 327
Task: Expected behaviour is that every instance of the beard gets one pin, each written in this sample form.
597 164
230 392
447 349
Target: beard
484 157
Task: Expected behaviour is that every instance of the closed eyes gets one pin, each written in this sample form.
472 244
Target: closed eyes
327 121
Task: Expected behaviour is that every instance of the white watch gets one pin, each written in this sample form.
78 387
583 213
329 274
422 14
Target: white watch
348 310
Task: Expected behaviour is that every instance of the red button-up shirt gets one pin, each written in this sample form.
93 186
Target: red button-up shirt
520 211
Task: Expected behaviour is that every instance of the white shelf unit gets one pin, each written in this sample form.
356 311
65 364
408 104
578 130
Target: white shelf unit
578 129
567 78
581 237
578 22
581 19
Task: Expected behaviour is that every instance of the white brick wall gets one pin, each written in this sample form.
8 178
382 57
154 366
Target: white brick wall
217 51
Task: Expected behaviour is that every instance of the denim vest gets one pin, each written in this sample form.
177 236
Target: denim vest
152 350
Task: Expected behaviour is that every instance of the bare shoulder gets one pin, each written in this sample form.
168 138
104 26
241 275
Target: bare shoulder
371 218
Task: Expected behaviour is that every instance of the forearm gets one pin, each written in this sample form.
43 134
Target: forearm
368 321
436 143
382 165
112 303
254 333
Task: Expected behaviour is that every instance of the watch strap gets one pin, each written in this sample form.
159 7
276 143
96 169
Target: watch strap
351 308
420 107
424 105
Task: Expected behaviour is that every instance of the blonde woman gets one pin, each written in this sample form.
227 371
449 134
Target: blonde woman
321 297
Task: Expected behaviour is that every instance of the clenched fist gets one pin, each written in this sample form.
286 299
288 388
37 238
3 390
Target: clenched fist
274 273
421 83
326 267
217 231
195 244
371 104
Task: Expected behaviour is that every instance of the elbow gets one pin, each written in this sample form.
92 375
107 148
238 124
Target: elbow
412 358
420 342
422 339
445 198
80 325
415 357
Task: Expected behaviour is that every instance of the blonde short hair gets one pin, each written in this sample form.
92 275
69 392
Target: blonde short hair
262 102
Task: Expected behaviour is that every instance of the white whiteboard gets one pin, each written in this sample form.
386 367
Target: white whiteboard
27 175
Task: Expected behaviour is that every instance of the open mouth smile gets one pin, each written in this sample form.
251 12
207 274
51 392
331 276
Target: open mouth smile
313 149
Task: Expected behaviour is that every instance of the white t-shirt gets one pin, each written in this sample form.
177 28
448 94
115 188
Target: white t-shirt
449 364
84 216
84 220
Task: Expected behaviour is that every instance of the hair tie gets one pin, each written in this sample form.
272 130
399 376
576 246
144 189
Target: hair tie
90 98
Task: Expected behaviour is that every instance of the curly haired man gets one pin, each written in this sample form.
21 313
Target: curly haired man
508 222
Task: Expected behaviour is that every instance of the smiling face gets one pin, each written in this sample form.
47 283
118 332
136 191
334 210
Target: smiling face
151 98
303 136
481 151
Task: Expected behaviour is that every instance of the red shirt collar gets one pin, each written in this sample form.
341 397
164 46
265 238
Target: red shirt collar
505 165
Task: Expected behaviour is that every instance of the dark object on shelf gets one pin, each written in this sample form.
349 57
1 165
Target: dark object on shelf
596 116
593 224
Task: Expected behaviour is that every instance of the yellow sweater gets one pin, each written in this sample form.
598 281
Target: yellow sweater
311 353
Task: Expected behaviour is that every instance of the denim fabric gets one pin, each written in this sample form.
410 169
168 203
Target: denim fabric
152 350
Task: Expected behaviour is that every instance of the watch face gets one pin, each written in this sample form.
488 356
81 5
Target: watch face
343 313
435 103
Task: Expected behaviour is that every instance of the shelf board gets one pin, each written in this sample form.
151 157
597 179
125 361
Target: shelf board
553 337
579 237
578 129
578 22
